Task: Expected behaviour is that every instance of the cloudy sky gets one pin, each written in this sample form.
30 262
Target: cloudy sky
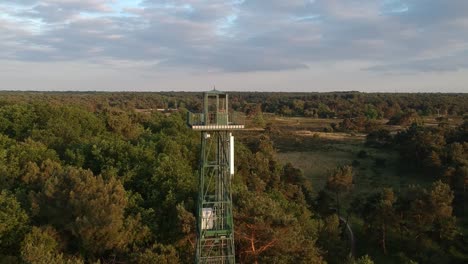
249 45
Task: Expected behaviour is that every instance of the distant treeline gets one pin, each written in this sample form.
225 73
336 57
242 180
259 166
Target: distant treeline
355 104
317 105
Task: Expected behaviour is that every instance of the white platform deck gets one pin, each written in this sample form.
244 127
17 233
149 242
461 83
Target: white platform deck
217 127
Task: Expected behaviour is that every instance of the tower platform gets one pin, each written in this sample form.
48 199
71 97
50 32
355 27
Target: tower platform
215 121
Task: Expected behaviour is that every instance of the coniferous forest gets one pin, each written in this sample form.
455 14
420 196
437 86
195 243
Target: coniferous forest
112 178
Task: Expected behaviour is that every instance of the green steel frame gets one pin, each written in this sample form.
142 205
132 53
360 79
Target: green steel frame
215 226
215 240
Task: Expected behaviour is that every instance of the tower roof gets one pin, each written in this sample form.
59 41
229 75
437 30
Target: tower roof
214 91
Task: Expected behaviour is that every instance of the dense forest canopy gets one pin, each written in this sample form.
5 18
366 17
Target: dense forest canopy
111 178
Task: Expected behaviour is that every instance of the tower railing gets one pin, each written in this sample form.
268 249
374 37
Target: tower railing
216 118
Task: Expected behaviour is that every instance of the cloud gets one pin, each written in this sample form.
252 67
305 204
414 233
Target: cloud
440 64
430 12
239 36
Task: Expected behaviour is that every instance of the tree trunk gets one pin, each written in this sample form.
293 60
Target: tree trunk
337 203
384 246
252 246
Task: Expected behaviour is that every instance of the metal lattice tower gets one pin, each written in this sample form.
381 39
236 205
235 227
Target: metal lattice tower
215 226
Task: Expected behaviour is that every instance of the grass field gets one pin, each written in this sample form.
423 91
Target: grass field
318 162
302 142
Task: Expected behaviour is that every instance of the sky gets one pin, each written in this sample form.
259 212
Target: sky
234 45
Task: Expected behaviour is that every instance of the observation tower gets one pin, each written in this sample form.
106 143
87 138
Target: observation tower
215 226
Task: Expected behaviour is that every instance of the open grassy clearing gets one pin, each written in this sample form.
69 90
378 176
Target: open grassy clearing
379 169
313 124
302 142
319 124
339 136
301 123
